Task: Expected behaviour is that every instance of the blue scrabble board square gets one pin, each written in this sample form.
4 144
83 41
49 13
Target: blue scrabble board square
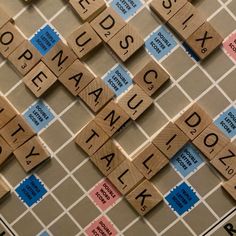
182 198
45 39
187 159
126 8
227 122
160 43
31 190
38 116
118 79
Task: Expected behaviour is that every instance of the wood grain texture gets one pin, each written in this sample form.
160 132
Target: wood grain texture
150 161
225 161
31 154
25 57
170 140
5 150
108 157
4 188
39 79
10 39
4 17
151 77
125 177
96 95
17 132
204 40
135 102
211 141
76 77
107 24
111 118
230 187
59 58
193 121
91 138
167 9
144 197
126 42
83 40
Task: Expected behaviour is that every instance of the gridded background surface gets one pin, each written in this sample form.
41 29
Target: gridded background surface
211 83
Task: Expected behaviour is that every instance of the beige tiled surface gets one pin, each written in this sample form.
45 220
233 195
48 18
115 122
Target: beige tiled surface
69 170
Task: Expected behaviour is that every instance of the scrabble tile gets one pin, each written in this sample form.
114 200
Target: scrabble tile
25 57
4 17
59 58
108 157
10 39
225 161
76 77
31 154
204 40
211 141
83 40
4 188
107 24
96 95
125 177
5 150
39 79
91 138
135 102
186 21
230 187
193 121
111 118
167 9
17 132
170 140
144 197
88 9
150 161
151 77
7 112
126 42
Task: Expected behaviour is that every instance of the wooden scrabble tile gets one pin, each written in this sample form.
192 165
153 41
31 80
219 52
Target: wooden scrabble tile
7 112
125 177
167 9
144 197
135 102
108 157
25 57
170 140
225 161
151 77
4 17
10 39
88 9
39 79
186 21
230 187
17 132
193 121
83 40
5 150
31 154
107 24
111 118
96 95
76 77
59 58
150 161
204 40
126 42
91 138
4 188
211 141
